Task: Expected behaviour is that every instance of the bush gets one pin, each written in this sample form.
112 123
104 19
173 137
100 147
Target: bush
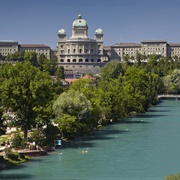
18 141
11 155
38 137
173 177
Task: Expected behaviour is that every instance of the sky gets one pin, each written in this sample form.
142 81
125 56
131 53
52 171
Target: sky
38 21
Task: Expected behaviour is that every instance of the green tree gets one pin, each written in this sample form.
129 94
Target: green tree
43 63
60 73
31 57
23 89
54 65
75 105
112 70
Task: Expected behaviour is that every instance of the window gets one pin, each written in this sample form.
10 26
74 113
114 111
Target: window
92 60
62 60
68 60
74 50
68 50
80 60
74 60
80 51
86 60
99 60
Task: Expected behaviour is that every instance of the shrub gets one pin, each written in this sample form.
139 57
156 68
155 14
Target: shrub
38 137
18 141
173 177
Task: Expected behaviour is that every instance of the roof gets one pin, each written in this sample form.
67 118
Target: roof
126 45
70 81
174 44
154 41
107 47
61 31
34 46
99 31
88 77
79 22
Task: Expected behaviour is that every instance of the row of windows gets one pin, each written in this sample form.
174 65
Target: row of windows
81 66
7 50
80 51
80 60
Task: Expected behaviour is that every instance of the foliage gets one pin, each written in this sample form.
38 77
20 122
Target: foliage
18 141
23 89
39 137
173 177
51 133
72 108
54 65
17 56
31 57
59 73
68 126
11 155
112 70
172 82
43 63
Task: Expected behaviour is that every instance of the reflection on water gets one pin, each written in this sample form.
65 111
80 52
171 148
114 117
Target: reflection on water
145 146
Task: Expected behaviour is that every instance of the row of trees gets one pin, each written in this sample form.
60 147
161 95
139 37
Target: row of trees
27 89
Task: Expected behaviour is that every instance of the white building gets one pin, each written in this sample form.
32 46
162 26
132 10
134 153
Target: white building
79 52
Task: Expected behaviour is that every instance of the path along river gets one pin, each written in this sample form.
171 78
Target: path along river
144 147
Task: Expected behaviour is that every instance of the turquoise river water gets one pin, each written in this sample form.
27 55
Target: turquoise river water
144 147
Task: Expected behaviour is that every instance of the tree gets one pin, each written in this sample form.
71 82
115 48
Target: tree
74 107
172 82
23 89
112 70
60 73
43 63
31 57
17 56
54 65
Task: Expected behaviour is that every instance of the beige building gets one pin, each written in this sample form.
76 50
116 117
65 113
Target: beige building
37 48
79 52
8 47
146 48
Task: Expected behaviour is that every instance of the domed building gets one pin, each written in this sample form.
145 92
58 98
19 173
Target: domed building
79 52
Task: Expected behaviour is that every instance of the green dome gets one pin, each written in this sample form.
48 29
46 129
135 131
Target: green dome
79 22
61 31
99 31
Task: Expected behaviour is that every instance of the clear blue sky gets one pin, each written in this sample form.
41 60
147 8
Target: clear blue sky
37 21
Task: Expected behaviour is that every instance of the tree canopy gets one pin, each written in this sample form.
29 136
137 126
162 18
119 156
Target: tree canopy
24 89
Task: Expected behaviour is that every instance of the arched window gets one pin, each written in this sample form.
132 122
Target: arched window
74 60
80 60
68 60
62 60
99 60
92 60
86 60
80 51
68 50
74 50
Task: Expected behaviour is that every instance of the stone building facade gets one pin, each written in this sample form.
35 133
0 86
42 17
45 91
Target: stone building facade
79 52
10 47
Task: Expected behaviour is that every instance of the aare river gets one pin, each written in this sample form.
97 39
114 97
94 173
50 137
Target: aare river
146 146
